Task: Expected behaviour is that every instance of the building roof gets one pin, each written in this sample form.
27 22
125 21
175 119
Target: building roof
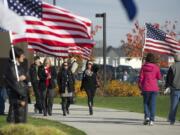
111 52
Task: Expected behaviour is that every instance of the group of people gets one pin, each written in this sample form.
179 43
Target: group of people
149 75
44 78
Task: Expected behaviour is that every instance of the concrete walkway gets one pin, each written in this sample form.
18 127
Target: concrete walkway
109 122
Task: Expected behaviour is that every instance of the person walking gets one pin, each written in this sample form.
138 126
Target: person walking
149 74
172 83
17 90
33 73
47 75
66 83
89 84
125 76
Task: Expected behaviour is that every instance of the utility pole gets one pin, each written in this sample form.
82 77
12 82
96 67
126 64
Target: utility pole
103 15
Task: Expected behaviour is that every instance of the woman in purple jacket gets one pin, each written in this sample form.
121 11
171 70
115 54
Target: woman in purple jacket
149 75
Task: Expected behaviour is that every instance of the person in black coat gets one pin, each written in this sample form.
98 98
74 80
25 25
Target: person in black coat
66 83
17 90
33 73
47 76
89 84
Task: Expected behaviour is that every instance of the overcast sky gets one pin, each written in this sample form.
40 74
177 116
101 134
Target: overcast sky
118 24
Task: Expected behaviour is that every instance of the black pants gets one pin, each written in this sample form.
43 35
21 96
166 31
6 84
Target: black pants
17 113
2 105
50 100
3 96
90 95
47 98
66 102
37 96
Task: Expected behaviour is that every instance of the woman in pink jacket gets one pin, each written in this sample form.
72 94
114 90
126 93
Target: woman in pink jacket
149 75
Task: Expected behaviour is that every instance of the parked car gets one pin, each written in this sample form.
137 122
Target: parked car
132 73
110 71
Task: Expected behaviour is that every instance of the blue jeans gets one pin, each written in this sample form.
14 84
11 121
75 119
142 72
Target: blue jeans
175 99
149 99
170 107
3 96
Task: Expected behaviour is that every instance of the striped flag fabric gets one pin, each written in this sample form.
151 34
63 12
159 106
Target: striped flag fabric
158 41
50 29
64 52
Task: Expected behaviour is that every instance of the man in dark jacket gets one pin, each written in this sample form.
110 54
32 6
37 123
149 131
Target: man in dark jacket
33 73
173 82
16 88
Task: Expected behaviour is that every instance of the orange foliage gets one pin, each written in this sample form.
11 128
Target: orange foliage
134 43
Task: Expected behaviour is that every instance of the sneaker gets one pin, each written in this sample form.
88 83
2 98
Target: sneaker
91 111
151 123
146 121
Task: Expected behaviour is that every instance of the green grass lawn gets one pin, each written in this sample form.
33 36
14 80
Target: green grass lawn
41 122
132 104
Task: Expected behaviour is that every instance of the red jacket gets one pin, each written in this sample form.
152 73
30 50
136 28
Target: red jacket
149 75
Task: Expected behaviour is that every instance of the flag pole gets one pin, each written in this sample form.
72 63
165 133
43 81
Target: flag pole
13 54
142 54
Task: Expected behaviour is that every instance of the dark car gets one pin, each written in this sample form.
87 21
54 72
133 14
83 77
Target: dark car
132 73
98 68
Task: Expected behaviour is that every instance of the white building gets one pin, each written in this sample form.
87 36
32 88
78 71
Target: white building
116 57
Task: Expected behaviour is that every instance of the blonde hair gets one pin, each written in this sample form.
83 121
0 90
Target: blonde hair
47 61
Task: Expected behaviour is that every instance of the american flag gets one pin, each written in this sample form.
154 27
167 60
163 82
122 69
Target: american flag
50 29
158 41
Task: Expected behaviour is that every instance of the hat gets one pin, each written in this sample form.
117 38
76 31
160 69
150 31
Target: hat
90 62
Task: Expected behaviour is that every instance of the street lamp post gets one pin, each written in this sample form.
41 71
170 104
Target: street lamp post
55 58
54 2
103 15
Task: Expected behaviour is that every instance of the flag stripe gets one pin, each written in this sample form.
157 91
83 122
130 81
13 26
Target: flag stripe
166 45
48 7
58 26
50 42
63 51
160 47
158 51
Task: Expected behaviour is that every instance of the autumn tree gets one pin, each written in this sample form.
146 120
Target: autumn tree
133 44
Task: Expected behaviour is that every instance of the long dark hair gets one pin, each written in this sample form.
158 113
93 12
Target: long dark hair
87 63
17 51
